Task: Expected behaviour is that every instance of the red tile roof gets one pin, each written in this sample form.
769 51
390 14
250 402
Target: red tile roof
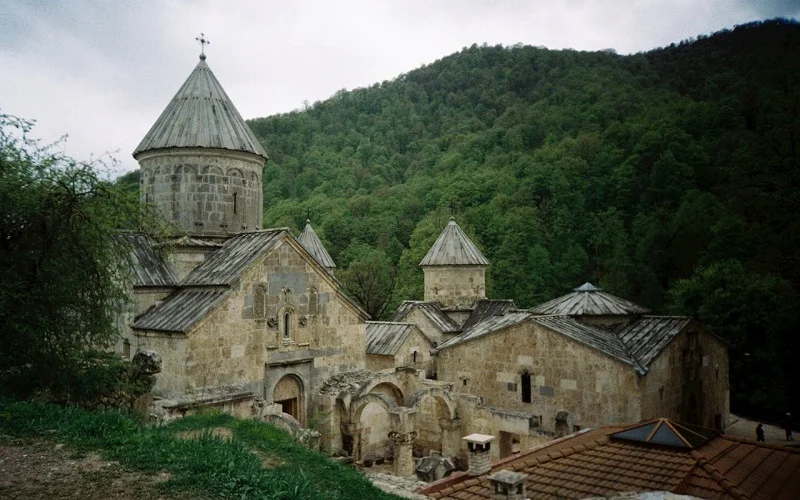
595 463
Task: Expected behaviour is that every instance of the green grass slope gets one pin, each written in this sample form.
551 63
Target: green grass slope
257 461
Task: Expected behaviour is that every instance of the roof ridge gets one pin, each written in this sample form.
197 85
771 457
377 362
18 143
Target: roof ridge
718 477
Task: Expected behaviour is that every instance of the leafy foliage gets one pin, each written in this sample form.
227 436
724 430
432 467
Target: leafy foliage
62 267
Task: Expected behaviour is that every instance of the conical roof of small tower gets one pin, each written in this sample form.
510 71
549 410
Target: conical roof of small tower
589 300
454 248
313 245
201 115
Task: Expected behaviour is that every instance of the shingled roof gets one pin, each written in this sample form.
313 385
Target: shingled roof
149 269
589 300
453 248
201 115
386 337
604 462
636 344
431 310
181 310
313 245
486 308
225 265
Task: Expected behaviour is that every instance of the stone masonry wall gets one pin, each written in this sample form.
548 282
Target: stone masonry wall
237 343
565 376
455 286
204 192
681 371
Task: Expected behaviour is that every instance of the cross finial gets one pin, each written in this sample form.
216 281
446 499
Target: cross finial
203 42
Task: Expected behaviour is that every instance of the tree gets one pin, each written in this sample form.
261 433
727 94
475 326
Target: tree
370 281
63 268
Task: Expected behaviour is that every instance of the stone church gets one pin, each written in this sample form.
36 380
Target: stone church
253 321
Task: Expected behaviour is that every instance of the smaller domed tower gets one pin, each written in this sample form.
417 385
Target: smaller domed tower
200 163
455 270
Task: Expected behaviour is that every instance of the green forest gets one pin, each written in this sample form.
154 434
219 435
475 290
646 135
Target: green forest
669 178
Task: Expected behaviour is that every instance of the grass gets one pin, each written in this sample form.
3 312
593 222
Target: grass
208 465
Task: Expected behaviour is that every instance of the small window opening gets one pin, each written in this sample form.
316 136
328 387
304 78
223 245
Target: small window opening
235 202
147 197
464 381
414 356
126 349
526 387
287 327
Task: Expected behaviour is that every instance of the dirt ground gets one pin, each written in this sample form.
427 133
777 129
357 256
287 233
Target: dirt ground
43 469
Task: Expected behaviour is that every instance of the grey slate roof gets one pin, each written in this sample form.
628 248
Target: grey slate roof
385 338
188 241
648 336
588 300
149 269
485 308
601 339
491 324
453 248
431 310
225 265
181 310
311 242
201 115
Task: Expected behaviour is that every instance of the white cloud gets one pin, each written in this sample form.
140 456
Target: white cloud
103 71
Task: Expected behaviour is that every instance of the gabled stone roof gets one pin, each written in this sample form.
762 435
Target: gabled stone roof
149 269
636 344
385 337
453 248
589 300
486 308
225 265
598 463
313 245
201 115
431 310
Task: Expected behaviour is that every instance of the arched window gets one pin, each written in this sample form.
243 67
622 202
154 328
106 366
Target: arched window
287 325
526 387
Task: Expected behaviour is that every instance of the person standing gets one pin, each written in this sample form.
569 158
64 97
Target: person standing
787 426
760 433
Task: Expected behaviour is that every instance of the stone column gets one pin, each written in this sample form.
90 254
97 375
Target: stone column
354 431
451 436
403 435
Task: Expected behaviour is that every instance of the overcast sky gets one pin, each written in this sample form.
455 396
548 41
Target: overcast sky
102 71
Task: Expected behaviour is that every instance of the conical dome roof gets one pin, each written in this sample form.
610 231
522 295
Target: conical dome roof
313 245
201 115
589 300
454 248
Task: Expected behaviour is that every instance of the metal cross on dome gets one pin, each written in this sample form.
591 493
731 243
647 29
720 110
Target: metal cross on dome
203 42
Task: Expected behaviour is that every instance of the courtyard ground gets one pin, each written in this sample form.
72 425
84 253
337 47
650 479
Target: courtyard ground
744 428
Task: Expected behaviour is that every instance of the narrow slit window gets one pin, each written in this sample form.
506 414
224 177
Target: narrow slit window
287 326
235 202
526 387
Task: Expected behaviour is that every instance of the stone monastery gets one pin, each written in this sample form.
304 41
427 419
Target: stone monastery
253 321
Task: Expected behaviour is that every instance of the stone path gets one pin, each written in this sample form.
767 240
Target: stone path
401 486
744 428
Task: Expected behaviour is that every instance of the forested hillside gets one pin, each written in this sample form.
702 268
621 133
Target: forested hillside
668 177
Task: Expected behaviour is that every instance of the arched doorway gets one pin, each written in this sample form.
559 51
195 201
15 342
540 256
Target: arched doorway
289 394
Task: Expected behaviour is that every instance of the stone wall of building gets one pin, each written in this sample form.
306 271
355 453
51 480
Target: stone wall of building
246 342
565 376
455 286
204 192
693 365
